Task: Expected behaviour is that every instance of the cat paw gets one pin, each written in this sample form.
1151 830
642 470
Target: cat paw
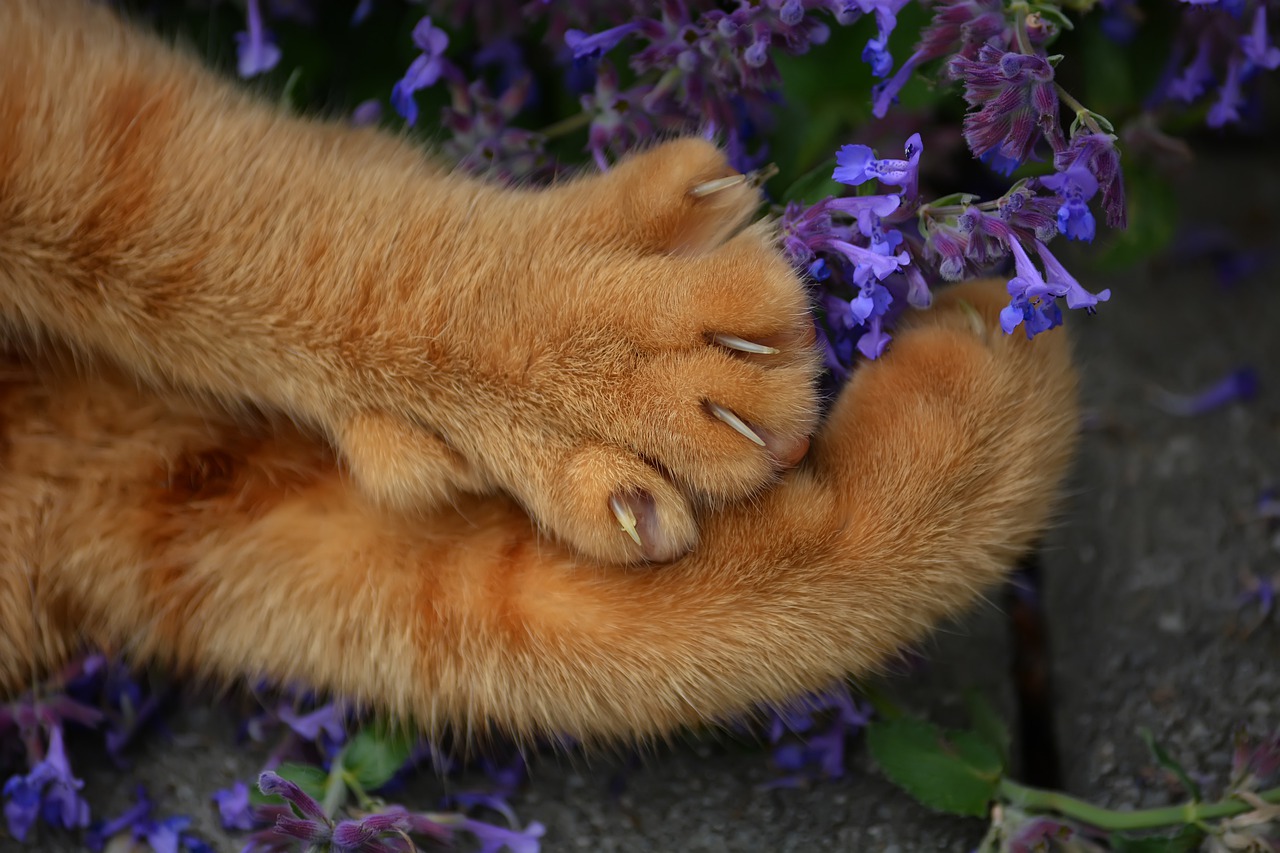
628 355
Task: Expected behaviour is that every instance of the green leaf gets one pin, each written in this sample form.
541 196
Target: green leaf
373 756
1167 762
308 777
814 185
1186 840
956 773
987 724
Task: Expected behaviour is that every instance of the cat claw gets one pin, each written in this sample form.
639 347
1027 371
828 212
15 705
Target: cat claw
737 343
755 178
736 422
702 190
626 518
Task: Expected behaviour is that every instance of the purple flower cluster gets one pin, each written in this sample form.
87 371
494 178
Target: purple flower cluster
850 248
1222 48
809 736
711 70
301 822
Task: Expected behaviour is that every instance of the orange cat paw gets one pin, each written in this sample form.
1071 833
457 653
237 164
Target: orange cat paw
621 353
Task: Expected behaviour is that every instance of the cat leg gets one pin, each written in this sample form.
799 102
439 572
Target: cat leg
617 331
189 542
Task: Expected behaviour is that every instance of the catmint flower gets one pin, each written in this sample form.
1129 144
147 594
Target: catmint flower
618 120
1259 590
885 94
1031 305
1076 185
1240 385
233 807
483 140
1257 49
960 27
825 721
497 838
255 52
1254 761
1061 283
587 46
49 791
162 836
876 51
327 720
856 164
367 113
423 72
1012 100
1230 97
946 247
1196 77
1097 152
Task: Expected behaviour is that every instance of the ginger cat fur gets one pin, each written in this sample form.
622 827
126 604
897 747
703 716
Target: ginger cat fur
286 400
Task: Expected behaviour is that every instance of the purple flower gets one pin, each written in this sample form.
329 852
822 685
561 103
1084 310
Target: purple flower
1097 152
1240 385
1196 76
1075 185
233 807
1059 282
1254 762
483 140
275 785
1039 833
367 113
49 790
586 46
856 164
1261 590
327 720
162 836
1230 97
883 95
496 838
1012 99
618 120
1031 305
874 339
1257 49
423 71
364 835
255 52
946 246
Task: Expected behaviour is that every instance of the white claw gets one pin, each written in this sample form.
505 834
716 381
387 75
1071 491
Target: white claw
625 517
745 346
736 422
717 185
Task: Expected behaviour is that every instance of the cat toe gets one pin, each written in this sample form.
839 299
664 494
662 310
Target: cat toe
680 197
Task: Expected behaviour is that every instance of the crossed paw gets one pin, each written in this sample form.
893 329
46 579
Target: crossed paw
616 353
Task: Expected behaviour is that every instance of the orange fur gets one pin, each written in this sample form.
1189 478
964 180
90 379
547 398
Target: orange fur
554 345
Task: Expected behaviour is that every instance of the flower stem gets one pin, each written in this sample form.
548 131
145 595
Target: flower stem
1036 799
566 125
1083 114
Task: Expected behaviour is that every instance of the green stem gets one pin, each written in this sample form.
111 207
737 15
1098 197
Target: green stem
1020 11
566 125
1039 800
1082 113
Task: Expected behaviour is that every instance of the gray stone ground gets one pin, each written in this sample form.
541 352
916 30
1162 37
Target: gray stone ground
1141 575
